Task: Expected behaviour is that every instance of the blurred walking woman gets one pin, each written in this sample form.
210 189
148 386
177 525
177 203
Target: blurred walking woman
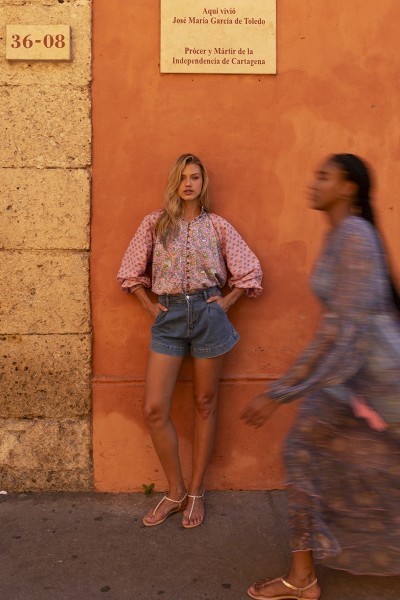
342 457
184 253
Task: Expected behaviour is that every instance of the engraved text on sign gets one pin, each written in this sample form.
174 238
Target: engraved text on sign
222 36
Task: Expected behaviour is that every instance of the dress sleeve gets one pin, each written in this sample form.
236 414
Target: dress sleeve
134 271
337 351
243 265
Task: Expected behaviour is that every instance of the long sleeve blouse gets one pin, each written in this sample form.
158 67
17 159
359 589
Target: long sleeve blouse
356 350
207 252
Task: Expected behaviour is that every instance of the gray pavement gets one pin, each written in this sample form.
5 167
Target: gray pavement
87 546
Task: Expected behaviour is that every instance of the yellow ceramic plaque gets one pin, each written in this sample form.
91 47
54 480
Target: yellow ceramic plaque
38 42
219 36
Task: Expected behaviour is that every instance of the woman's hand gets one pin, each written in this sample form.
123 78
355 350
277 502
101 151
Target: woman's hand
259 410
155 308
363 411
227 301
221 300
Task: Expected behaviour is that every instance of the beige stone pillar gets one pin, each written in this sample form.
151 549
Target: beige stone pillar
45 330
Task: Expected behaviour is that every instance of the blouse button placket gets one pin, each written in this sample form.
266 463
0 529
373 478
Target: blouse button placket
187 282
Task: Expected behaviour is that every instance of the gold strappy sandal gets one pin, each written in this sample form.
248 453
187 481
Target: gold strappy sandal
298 595
181 505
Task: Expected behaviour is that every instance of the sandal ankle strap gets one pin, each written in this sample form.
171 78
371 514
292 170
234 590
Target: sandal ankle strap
299 590
170 500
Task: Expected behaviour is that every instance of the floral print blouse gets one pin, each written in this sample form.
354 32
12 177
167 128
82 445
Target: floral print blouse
207 252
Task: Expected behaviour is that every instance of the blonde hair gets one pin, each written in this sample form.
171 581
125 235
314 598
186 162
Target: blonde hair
167 225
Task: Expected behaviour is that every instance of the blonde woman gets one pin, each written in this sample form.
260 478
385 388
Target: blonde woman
186 254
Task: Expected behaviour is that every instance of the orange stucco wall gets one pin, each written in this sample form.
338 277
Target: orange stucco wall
337 89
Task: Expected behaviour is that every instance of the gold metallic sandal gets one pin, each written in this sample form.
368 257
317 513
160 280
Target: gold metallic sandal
181 506
298 591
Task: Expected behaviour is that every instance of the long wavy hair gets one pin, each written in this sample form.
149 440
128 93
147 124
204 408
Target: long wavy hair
167 225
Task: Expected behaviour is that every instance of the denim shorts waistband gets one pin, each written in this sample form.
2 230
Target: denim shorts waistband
195 295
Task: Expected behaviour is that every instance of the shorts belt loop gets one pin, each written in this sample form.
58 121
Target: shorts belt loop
166 300
205 295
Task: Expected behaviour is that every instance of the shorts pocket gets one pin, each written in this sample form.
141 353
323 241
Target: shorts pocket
215 309
160 315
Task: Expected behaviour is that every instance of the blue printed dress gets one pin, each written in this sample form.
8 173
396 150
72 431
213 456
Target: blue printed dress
343 478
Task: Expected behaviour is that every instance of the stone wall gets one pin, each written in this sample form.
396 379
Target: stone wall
45 329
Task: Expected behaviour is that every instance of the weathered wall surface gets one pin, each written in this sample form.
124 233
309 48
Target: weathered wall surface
337 90
45 332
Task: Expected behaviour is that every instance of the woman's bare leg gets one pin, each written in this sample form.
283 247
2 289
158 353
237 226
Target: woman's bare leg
206 373
161 376
302 574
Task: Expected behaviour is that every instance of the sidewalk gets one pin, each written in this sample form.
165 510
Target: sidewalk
63 546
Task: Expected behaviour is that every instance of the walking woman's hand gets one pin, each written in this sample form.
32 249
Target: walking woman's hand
363 411
259 410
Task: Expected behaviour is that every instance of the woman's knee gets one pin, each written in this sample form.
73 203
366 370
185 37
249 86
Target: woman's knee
206 404
155 415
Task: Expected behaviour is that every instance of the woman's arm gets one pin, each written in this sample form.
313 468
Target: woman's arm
152 307
242 263
134 269
229 299
337 351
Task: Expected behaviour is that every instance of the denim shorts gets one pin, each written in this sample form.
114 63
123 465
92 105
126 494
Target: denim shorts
192 326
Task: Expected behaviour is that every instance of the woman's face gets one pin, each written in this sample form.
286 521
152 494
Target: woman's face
191 182
329 187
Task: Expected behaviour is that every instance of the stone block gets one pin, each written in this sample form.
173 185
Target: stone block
46 2
43 454
45 126
77 15
44 292
45 376
44 208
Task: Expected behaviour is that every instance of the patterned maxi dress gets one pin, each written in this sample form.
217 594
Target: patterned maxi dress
343 478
